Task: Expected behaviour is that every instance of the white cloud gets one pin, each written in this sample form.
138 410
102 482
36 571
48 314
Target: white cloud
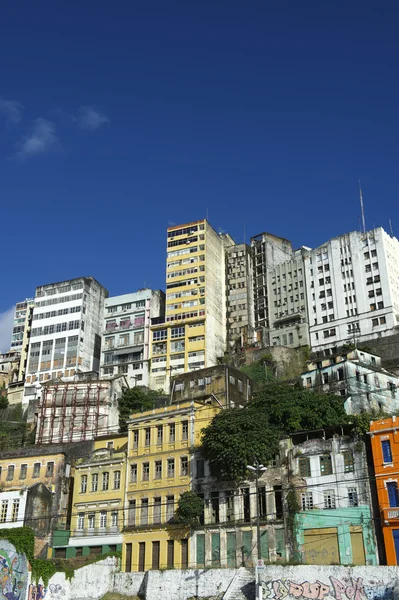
11 109
6 324
91 119
41 140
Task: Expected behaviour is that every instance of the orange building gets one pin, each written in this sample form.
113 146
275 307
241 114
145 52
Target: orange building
385 448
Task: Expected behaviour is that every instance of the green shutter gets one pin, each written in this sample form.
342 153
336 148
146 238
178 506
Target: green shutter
280 542
200 550
247 547
215 549
231 549
264 545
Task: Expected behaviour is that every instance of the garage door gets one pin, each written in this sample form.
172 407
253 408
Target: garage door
321 546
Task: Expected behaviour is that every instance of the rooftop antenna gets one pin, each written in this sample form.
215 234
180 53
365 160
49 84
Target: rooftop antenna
362 208
207 216
390 227
245 232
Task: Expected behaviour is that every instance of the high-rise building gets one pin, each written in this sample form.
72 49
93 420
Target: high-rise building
66 330
23 313
240 320
288 304
353 289
192 335
268 251
126 336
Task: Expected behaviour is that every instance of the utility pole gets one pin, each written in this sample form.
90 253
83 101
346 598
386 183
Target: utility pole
258 470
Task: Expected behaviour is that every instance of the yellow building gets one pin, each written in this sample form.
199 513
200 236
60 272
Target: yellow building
34 492
98 499
192 335
160 468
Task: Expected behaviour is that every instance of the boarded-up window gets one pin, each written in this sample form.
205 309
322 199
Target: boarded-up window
321 546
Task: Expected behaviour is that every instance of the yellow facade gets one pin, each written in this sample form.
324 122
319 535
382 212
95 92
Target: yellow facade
160 455
23 472
192 334
98 496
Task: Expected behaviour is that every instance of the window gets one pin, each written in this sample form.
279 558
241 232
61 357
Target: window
304 467
105 481
117 480
200 468
114 518
135 438
184 466
159 434
147 436
325 465
349 464
94 482
3 511
184 430
329 499
171 467
157 510
177 332
36 470
382 320
23 471
83 484
10 472
170 507
393 497
172 432
133 473
144 511
307 501
352 497
158 469
103 519
49 469
146 471
81 520
131 517
386 451
91 520
15 509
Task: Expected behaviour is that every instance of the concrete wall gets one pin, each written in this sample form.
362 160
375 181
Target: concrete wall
281 583
341 583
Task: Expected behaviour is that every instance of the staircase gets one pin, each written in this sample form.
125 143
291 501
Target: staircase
242 587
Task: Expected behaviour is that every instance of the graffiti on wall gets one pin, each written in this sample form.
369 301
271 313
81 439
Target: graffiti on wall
353 588
13 573
36 592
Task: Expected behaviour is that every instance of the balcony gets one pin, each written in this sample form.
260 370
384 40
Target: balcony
96 531
158 320
137 323
390 515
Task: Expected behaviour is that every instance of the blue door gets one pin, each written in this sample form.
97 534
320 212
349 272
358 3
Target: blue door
395 533
392 488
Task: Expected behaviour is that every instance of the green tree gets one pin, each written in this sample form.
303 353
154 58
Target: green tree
293 408
260 371
189 509
3 401
134 400
237 437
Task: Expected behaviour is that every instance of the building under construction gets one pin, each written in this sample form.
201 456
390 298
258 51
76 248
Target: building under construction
80 410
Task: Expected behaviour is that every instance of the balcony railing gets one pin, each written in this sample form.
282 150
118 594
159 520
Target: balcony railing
96 531
390 514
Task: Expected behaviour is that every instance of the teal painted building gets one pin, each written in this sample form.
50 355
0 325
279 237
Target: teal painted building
342 536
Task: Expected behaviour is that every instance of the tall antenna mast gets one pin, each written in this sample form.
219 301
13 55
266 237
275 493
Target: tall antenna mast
390 227
245 232
362 208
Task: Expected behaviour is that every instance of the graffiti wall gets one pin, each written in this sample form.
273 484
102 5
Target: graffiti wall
13 573
327 583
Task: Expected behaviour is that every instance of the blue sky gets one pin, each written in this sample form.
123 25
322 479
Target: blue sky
119 118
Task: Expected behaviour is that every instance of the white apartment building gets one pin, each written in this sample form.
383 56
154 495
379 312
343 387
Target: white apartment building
288 304
66 331
12 508
126 334
353 288
240 296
